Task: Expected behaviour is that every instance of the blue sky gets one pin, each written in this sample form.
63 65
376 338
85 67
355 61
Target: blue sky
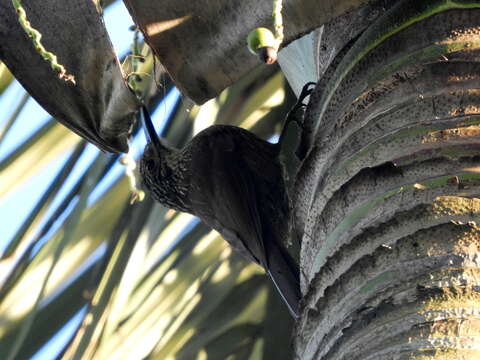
19 203
33 117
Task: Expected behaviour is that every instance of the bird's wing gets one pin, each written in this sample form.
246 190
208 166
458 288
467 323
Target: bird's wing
227 201
225 194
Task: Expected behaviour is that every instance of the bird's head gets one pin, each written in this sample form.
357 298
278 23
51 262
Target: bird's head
154 167
158 169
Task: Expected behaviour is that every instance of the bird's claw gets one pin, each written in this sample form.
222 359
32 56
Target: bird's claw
306 90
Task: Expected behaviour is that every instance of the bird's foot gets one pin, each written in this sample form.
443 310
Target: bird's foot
306 90
290 137
292 114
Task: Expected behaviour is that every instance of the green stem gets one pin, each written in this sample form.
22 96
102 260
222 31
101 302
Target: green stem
277 23
36 36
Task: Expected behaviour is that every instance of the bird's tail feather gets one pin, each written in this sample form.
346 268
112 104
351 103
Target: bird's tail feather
285 275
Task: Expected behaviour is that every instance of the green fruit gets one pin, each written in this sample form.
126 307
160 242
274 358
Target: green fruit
259 38
262 43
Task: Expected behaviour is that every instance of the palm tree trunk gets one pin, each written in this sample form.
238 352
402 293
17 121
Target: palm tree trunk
387 198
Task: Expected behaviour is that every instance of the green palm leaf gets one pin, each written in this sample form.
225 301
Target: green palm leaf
157 284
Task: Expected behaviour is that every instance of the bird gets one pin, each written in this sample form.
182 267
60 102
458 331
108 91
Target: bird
234 182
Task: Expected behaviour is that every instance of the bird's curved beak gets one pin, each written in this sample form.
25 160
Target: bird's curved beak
149 130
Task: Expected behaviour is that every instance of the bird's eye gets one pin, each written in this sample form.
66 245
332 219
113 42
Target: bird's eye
150 165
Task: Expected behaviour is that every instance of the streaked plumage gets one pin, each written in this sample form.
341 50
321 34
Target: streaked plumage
233 181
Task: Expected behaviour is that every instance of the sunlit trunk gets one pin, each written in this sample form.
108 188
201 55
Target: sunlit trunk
387 197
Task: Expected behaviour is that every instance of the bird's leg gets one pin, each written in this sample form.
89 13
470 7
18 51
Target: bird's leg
284 144
306 91
293 113
289 140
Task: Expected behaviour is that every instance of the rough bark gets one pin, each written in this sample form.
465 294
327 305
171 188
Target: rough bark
387 198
